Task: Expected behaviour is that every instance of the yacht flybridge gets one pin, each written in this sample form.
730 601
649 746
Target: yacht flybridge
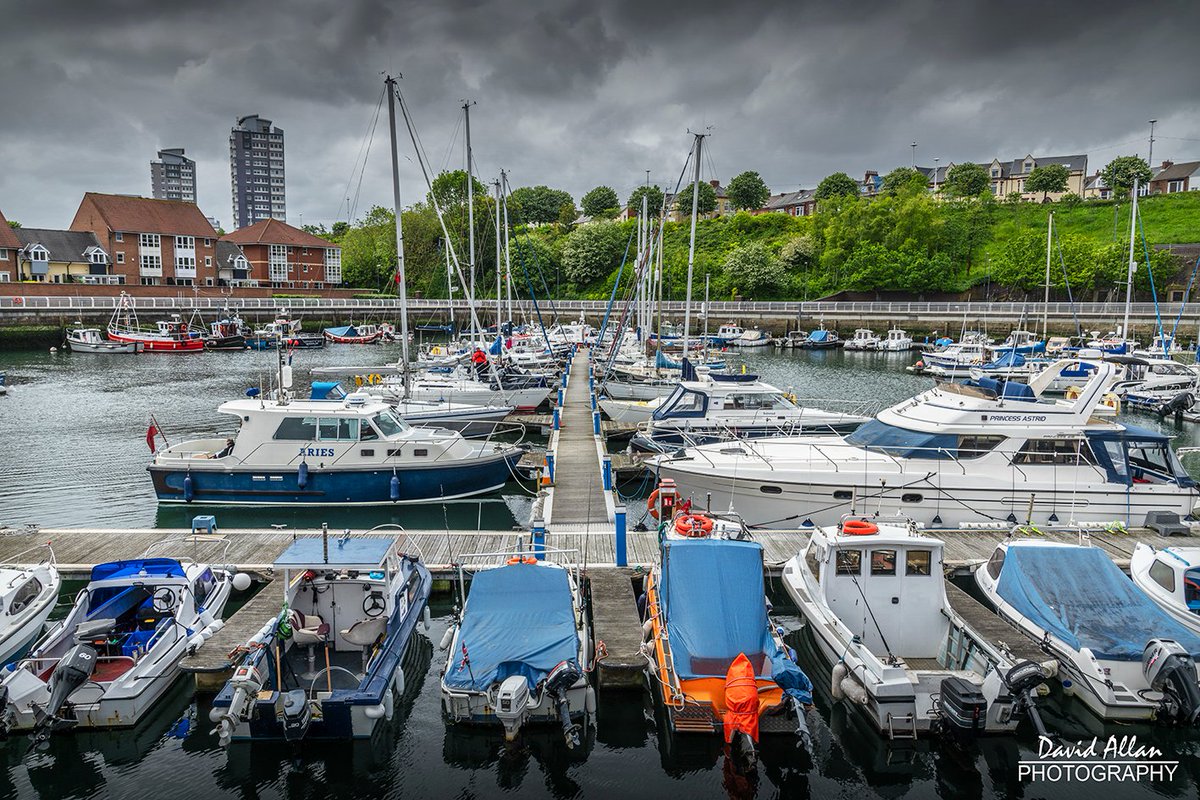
990 452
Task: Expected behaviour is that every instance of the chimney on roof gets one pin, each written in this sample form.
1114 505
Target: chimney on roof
870 174
714 183
1166 164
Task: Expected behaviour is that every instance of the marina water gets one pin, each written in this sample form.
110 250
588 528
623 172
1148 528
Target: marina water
73 454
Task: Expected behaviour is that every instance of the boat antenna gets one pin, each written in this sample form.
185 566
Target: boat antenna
401 282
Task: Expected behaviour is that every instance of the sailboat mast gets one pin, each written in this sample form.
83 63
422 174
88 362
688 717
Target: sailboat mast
1132 263
470 199
401 282
507 261
687 308
1046 301
704 312
449 285
499 308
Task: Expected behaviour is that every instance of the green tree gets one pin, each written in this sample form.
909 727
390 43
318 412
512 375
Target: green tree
1047 179
12 223
369 250
567 215
538 204
1120 173
339 230
839 184
904 179
748 192
601 203
316 230
966 180
753 269
592 251
706 205
450 189
654 199
799 252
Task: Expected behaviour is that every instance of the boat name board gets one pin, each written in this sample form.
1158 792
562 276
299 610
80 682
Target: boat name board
1012 417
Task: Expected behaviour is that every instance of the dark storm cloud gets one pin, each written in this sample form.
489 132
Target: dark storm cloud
578 93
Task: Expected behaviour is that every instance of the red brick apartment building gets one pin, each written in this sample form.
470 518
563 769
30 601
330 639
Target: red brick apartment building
283 256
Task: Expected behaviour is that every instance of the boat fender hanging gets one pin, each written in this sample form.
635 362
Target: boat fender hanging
188 489
447 638
835 681
859 527
394 488
302 475
389 706
647 630
397 681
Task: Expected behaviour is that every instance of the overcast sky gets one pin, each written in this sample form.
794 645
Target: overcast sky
575 94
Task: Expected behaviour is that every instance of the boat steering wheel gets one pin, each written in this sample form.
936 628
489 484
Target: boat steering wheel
163 599
373 604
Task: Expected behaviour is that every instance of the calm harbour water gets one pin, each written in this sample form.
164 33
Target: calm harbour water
73 454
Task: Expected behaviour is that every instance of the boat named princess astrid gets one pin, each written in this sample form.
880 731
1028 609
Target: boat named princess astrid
355 452
991 452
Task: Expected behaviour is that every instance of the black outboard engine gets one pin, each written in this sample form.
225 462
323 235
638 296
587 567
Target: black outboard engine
964 708
296 715
1022 680
73 670
562 678
1171 670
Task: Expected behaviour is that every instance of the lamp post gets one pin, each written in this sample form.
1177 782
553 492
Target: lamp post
935 174
1150 157
914 155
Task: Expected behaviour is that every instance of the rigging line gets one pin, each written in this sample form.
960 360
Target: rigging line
1150 272
355 166
1070 298
450 144
363 171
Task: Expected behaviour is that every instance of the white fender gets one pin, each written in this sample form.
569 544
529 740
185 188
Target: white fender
589 700
835 682
854 690
647 630
389 705
447 638
426 617
375 712
398 679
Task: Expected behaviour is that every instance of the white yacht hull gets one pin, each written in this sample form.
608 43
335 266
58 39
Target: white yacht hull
628 411
637 391
15 641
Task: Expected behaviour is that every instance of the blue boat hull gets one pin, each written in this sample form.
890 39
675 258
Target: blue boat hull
343 487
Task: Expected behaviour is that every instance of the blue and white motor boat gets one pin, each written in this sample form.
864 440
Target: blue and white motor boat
1121 654
1170 577
521 650
27 596
118 650
357 602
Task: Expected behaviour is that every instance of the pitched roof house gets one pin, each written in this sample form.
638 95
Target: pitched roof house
61 256
288 256
1008 177
1176 177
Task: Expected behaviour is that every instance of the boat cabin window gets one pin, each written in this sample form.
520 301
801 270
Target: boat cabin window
903 443
683 403
813 561
1054 451
918 562
25 595
1163 575
203 586
755 402
1151 459
338 429
302 429
388 424
849 562
975 446
995 563
883 562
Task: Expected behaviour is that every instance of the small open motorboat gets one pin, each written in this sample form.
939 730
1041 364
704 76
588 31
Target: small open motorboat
753 337
821 339
357 601
1122 655
27 596
716 661
169 336
354 334
520 652
1171 578
118 650
875 602
90 340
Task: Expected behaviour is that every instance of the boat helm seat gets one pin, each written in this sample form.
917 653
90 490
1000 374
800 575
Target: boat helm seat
363 634
310 630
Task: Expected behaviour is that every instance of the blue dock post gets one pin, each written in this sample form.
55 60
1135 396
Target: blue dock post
593 401
557 419
619 515
595 423
591 383
561 395
550 465
538 534
608 482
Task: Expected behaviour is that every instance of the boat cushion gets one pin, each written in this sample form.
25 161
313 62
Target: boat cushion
519 620
1079 595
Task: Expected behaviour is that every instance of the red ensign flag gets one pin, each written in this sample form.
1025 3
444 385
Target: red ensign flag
151 433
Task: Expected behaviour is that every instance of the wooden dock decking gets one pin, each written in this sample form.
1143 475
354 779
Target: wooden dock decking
578 491
991 627
214 662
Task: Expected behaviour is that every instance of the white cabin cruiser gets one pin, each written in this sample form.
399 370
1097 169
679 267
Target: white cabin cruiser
27 596
959 355
1122 655
520 652
875 601
1171 578
994 453
91 340
863 339
754 337
118 650
897 341
1151 383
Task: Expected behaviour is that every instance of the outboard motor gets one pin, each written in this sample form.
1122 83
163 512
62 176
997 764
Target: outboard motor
963 706
558 682
512 705
247 680
1022 681
73 670
1169 669
296 715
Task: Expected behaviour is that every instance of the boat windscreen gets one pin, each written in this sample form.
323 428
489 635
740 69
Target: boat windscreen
903 443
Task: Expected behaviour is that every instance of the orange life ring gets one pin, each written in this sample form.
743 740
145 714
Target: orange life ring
693 525
519 560
859 527
652 504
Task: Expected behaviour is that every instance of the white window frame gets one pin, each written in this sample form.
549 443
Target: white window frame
120 258
149 241
3 254
333 265
118 236
185 242
277 262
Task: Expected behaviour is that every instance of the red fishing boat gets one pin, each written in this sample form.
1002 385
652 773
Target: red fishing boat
169 335
354 334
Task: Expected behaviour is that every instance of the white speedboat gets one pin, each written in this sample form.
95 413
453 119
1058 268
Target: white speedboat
753 337
993 453
520 652
1151 383
875 602
717 408
358 601
90 340
961 356
1118 652
863 339
1162 346
27 596
897 341
727 334
118 650
1171 578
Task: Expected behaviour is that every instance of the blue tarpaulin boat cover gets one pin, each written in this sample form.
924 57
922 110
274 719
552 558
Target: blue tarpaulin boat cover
716 609
818 336
519 620
345 330
1010 358
1079 595
152 567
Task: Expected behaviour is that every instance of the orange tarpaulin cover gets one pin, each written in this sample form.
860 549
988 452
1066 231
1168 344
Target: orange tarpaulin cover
741 699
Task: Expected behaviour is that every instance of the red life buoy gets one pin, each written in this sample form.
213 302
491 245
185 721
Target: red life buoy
693 525
859 527
519 560
652 504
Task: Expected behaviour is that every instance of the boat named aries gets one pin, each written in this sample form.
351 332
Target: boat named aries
356 452
994 452
356 600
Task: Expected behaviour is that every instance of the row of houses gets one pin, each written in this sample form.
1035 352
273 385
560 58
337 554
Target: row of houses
129 240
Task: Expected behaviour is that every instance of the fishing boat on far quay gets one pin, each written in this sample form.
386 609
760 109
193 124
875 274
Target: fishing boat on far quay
171 335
